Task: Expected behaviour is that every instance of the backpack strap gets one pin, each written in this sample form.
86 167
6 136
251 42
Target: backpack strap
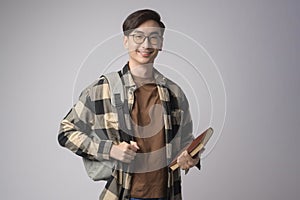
116 88
117 100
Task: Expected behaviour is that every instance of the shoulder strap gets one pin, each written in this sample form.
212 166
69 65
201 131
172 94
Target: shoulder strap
117 100
116 88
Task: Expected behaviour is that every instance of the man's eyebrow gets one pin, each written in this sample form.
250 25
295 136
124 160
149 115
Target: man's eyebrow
141 32
155 32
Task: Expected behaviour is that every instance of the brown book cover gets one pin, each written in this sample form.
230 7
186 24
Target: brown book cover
194 147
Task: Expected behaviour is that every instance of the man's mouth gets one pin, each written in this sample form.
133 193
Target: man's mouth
145 53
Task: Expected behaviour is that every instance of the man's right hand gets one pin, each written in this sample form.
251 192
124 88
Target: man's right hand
124 152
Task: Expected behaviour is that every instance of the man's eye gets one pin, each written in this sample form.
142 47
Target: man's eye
155 37
139 37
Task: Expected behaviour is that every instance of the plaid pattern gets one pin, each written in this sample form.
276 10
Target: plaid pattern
93 113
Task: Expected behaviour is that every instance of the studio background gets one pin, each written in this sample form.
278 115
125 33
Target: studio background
254 43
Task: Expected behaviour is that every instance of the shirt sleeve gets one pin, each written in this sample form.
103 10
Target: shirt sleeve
76 131
187 126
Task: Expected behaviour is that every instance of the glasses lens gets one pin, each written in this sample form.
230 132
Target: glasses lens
138 38
154 39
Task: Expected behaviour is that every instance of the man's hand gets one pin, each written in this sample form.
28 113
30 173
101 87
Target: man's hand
185 161
124 152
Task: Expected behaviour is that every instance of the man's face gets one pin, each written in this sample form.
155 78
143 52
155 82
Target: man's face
143 43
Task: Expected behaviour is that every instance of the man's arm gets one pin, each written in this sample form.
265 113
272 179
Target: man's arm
124 152
76 127
184 160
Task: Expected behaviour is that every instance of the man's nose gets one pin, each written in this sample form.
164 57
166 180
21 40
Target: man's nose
146 43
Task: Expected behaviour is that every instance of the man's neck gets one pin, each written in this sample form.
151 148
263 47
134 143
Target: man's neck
142 71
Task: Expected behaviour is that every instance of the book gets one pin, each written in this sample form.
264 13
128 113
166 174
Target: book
193 147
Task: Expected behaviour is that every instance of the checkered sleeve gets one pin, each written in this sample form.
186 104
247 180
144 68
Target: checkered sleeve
187 124
77 127
187 135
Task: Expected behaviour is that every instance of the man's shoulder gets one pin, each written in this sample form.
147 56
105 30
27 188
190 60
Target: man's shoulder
174 88
100 81
97 90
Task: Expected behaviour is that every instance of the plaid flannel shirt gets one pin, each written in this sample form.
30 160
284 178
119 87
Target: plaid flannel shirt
93 113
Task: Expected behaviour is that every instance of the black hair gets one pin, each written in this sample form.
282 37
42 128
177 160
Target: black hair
138 17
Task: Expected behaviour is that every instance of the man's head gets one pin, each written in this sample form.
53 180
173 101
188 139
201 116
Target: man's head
135 19
143 36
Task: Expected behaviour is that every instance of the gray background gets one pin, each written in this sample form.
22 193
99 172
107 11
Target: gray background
254 43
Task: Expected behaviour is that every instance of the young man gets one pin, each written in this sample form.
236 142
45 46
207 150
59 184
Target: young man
159 120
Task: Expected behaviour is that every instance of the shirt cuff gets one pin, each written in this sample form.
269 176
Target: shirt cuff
104 149
198 165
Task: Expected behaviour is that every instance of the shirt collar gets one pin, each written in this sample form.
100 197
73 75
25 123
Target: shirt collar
128 79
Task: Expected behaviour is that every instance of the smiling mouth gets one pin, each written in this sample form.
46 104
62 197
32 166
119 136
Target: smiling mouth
145 53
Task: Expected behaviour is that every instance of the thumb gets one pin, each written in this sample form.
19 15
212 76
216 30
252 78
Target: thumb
134 144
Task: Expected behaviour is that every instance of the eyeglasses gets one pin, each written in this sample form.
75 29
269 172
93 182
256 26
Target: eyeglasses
139 38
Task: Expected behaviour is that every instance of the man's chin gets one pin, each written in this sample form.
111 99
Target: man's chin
144 61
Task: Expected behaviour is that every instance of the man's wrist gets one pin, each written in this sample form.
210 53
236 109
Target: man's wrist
104 150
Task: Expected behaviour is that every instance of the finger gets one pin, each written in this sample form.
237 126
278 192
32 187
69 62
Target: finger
130 153
193 162
180 160
184 166
190 163
182 163
187 162
128 157
182 155
127 148
185 153
134 146
186 157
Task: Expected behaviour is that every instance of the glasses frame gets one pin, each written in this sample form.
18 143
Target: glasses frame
148 38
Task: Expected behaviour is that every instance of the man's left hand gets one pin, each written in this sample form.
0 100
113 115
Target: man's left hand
185 160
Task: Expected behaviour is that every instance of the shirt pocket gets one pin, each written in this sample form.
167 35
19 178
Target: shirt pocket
111 121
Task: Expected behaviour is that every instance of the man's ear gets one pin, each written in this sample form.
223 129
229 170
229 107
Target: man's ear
125 42
161 44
